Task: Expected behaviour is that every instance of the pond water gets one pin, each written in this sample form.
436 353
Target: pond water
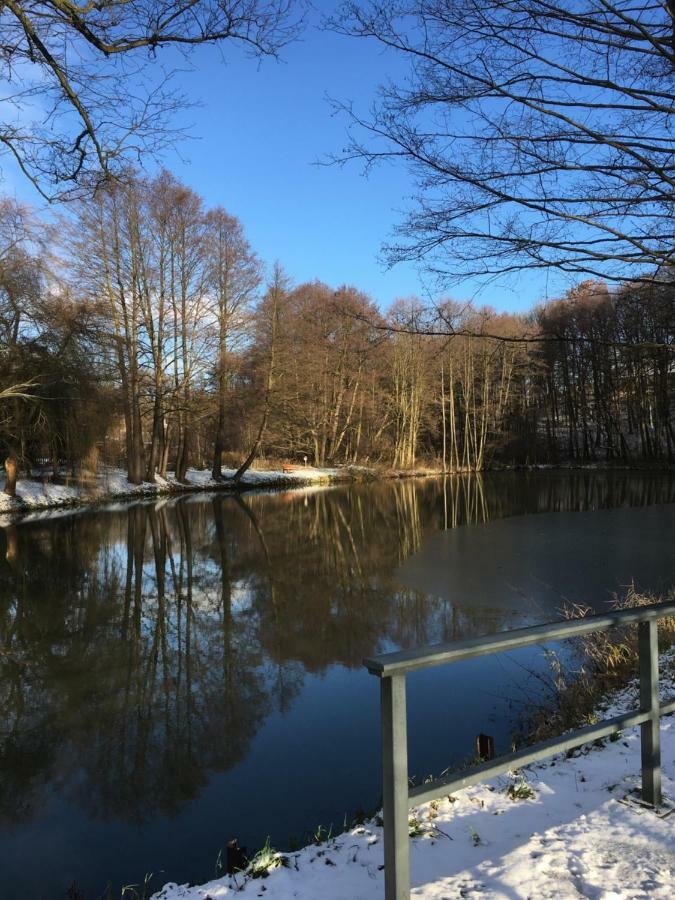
179 673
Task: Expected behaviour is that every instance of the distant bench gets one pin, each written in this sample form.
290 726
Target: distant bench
289 468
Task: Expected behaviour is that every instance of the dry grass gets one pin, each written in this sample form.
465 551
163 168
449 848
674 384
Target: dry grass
614 654
610 660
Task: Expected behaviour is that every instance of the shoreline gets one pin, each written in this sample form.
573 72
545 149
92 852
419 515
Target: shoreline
35 495
482 840
553 810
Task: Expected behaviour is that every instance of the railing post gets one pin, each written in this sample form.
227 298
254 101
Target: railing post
395 807
650 734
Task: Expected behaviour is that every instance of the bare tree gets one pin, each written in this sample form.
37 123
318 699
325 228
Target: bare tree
20 279
410 387
83 79
324 367
188 309
233 277
269 324
539 132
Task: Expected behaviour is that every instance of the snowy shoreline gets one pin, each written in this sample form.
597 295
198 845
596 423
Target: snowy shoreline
36 495
567 834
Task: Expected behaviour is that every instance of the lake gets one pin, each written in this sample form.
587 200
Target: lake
174 674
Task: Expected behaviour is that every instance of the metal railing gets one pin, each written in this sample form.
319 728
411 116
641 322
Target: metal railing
392 668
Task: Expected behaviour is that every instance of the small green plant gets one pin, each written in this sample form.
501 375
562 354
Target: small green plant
138 891
219 863
415 827
359 817
475 837
265 861
322 834
519 790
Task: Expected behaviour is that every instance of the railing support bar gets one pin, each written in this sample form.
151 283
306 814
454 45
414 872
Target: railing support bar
650 734
395 808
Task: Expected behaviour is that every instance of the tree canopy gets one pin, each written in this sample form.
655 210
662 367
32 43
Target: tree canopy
539 132
84 93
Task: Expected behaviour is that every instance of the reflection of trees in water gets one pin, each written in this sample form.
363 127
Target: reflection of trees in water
40 633
195 688
516 493
476 499
139 678
325 594
142 649
464 500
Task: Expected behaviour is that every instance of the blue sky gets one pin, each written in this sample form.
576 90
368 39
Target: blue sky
257 134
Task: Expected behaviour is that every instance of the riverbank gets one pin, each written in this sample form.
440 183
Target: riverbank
35 494
560 829
42 494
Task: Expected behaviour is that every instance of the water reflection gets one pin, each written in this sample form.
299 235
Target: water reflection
143 648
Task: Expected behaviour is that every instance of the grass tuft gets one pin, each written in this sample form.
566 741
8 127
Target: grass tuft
415 826
265 861
520 790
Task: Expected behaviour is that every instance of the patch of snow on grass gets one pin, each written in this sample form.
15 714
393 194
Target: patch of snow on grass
38 495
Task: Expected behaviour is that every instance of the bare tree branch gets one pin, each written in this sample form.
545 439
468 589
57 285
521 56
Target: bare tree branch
84 94
539 133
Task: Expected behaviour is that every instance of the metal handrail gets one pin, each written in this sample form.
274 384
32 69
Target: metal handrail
392 668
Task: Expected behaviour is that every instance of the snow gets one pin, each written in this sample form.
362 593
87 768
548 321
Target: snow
34 494
573 838
113 484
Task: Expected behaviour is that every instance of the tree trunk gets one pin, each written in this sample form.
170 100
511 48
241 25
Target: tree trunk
445 439
219 444
276 294
10 479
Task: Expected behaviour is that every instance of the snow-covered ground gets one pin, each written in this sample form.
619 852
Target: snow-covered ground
112 484
572 838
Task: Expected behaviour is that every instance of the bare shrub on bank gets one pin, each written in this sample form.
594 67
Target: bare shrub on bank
609 660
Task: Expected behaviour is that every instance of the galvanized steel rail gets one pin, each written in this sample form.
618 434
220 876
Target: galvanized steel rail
391 668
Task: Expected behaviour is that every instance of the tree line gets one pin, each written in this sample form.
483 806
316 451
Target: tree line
144 331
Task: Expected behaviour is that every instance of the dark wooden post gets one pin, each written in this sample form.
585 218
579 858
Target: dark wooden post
237 860
485 747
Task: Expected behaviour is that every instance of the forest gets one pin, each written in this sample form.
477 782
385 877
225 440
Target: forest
141 330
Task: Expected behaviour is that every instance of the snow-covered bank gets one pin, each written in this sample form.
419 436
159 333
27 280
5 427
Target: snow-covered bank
42 495
568 835
113 484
